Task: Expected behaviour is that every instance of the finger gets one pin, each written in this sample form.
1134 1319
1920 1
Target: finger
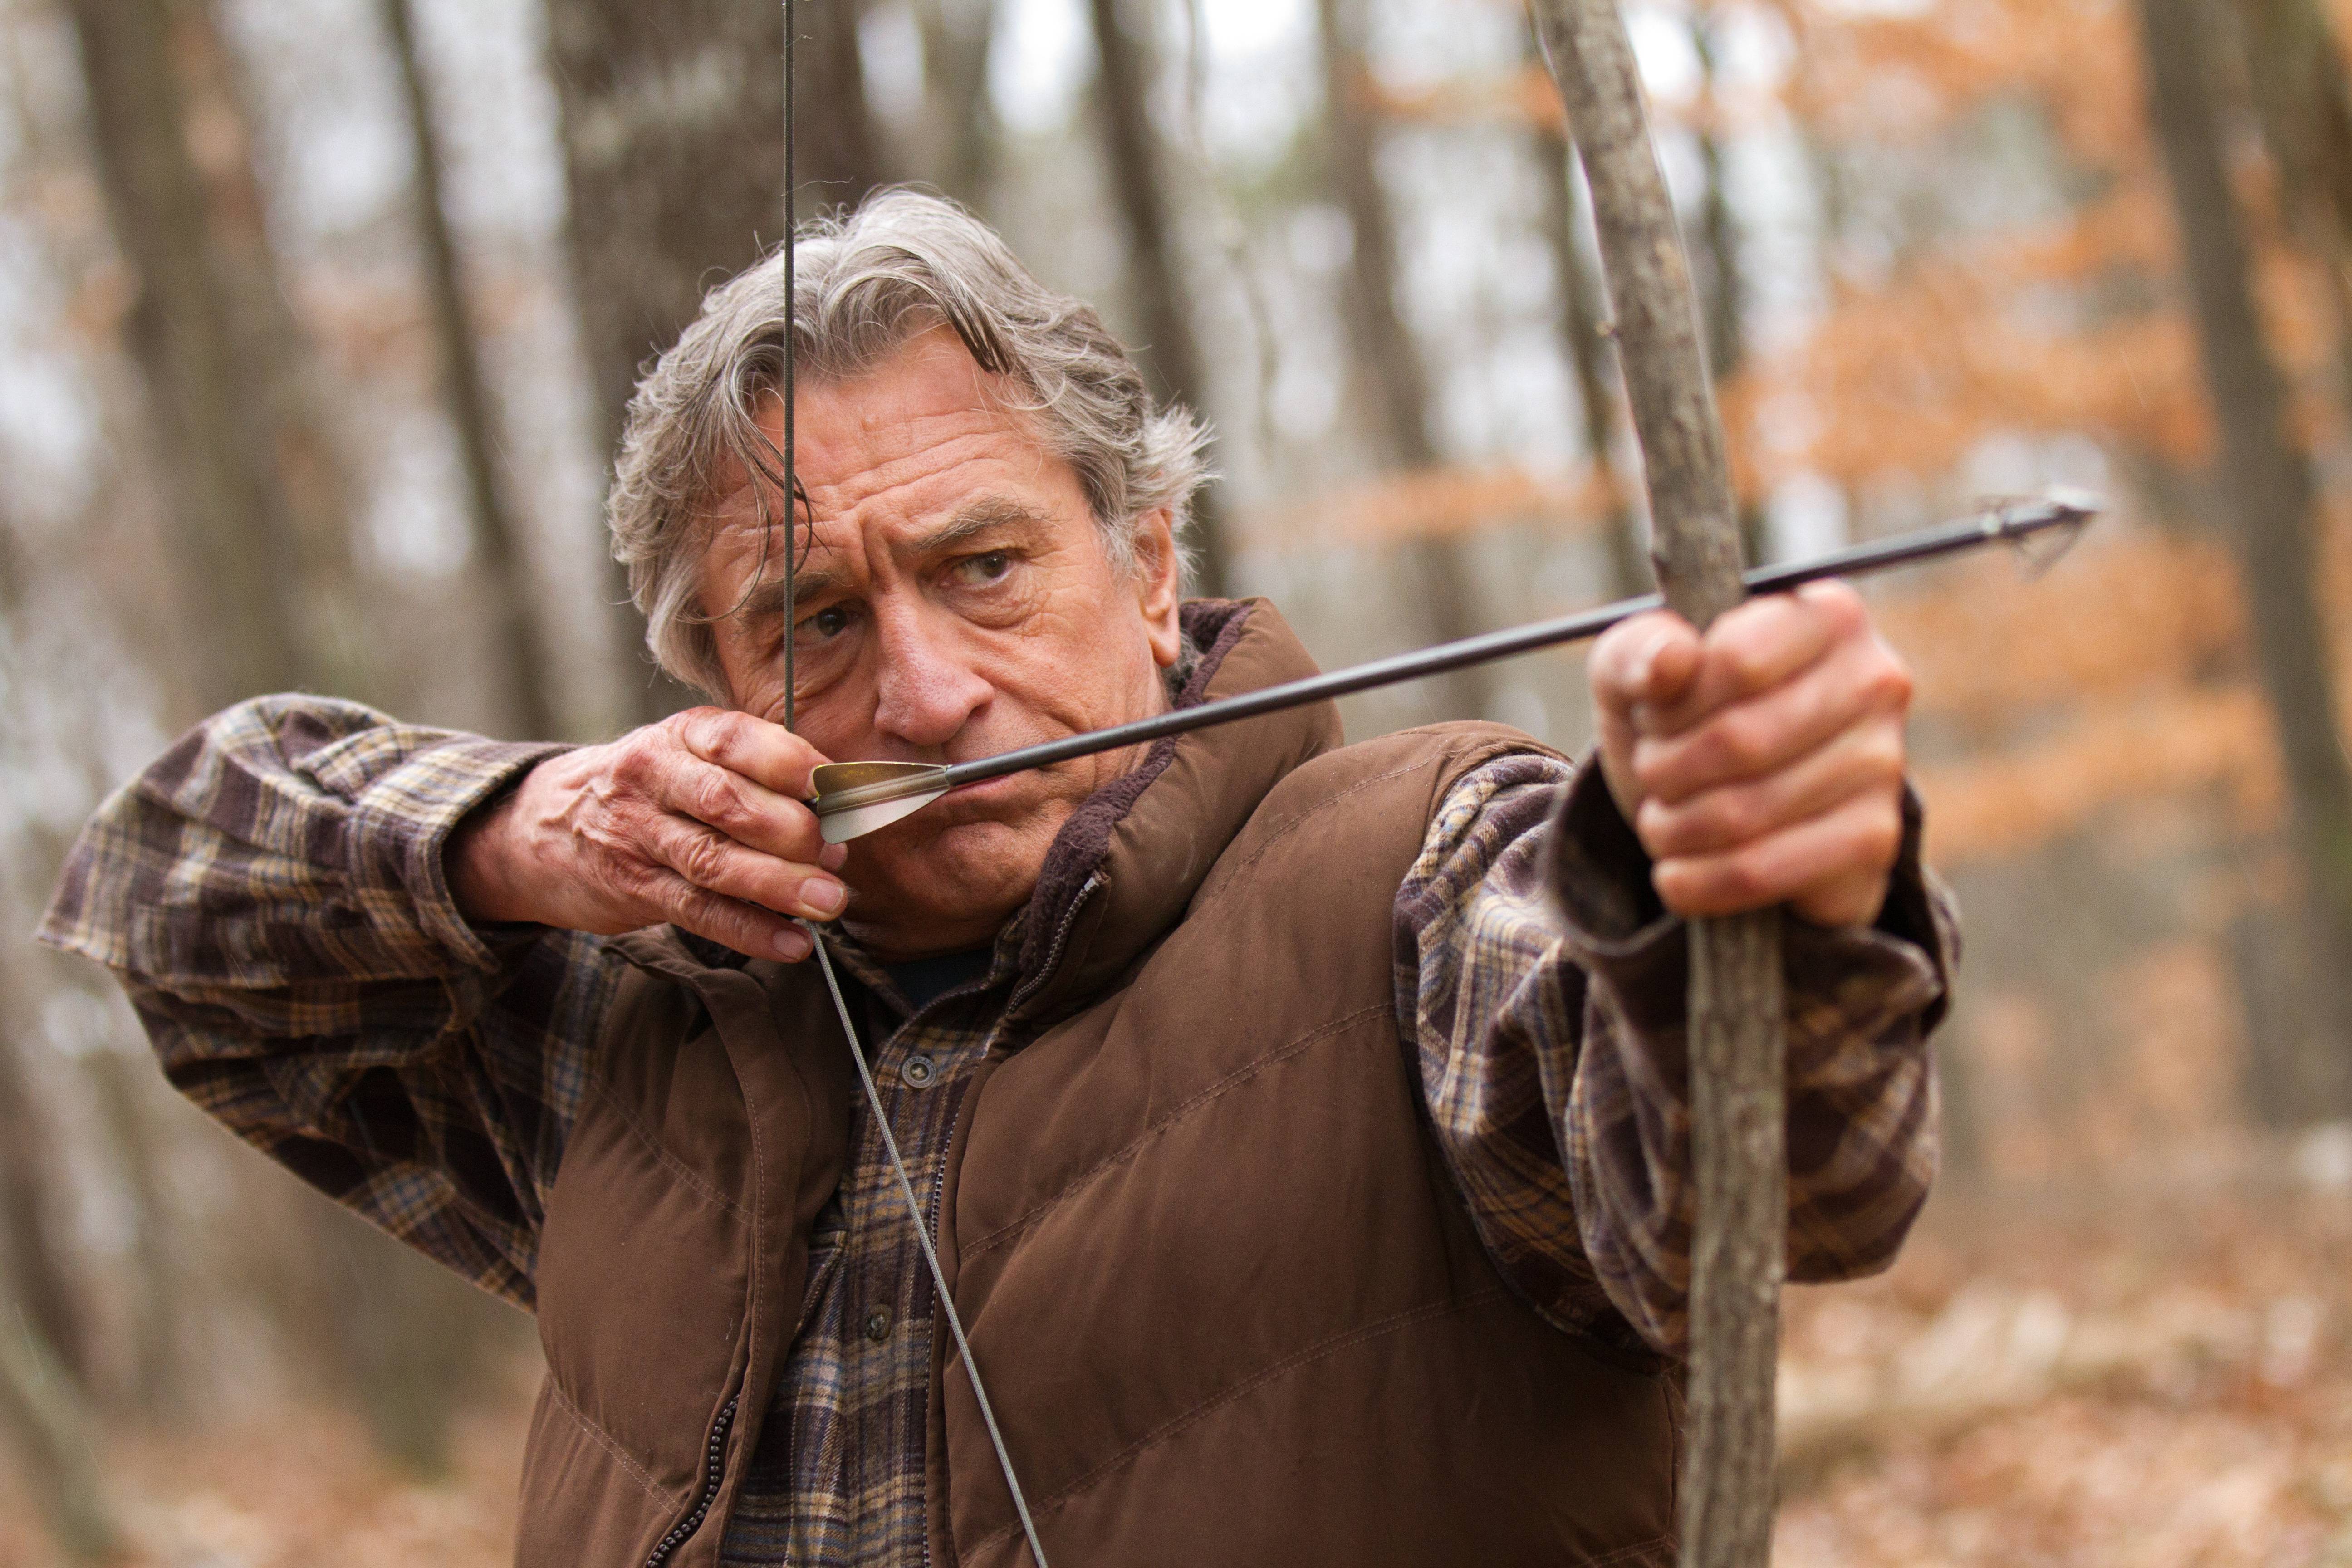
740 807
1642 660
1763 643
765 753
718 864
1849 901
746 928
1835 861
1756 736
1632 663
1864 759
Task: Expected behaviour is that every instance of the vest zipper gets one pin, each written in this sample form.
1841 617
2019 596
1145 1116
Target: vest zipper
931 1218
1036 981
714 1467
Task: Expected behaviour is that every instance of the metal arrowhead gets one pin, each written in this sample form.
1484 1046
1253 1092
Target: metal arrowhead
853 799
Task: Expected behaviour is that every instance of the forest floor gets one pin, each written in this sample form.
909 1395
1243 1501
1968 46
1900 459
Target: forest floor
2158 1375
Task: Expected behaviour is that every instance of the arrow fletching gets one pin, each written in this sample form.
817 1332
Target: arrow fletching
853 799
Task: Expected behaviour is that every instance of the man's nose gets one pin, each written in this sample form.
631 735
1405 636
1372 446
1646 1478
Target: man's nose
925 691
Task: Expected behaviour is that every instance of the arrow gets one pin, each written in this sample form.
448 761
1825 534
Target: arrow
856 798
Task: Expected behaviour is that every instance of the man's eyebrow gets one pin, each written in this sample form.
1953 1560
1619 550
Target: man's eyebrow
766 601
981 515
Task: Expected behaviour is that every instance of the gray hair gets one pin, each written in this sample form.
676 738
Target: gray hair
865 282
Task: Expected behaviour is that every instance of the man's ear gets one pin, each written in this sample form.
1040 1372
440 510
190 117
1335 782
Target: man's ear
1159 584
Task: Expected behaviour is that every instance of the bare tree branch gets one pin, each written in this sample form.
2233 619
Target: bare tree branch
522 679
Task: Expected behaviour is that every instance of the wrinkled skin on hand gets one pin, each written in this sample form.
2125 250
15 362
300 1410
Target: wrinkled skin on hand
697 819
1763 763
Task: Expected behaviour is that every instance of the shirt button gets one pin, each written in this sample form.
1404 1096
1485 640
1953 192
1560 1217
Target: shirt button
918 1071
878 1324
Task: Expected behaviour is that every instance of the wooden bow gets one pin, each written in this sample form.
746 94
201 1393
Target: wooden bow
1735 1018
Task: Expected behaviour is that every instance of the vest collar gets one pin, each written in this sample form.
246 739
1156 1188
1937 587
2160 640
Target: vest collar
1124 868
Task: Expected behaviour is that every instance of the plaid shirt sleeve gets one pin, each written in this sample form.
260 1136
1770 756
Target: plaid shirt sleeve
270 894
1543 986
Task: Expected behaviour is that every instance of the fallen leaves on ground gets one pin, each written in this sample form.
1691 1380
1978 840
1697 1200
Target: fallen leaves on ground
2154 1375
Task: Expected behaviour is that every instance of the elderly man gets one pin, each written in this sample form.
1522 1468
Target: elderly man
1302 1126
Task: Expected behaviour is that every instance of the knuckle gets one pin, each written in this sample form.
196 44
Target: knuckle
1883 756
1740 668
1742 741
701 860
1733 819
715 799
1887 680
632 759
681 899
1742 881
643 883
1653 767
702 731
1666 831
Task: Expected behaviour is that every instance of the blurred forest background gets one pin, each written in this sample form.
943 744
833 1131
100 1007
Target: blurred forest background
318 316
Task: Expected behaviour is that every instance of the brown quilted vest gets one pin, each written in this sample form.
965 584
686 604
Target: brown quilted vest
1227 1299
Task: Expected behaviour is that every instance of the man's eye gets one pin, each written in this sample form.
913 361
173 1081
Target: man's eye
989 567
829 622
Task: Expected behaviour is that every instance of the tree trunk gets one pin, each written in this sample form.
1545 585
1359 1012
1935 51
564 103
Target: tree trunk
961 117
225 366
44 1423
672 118
522 677
841 152
1122 100
1388 362
408 1340
125 1085
1568 225
2300 94
34 1270
2268 488
255 484
1737 1054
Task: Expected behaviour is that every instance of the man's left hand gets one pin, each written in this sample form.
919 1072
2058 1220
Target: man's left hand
1763 763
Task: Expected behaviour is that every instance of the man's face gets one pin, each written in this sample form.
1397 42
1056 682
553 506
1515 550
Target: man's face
956 602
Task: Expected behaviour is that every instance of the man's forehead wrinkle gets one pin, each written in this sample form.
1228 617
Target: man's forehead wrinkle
919 462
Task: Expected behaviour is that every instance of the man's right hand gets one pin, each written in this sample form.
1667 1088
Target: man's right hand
696 820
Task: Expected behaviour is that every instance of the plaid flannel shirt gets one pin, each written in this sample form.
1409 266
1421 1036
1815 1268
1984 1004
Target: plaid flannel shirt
271 894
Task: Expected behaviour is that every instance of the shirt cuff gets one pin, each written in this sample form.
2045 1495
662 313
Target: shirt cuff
400 830
1637 952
